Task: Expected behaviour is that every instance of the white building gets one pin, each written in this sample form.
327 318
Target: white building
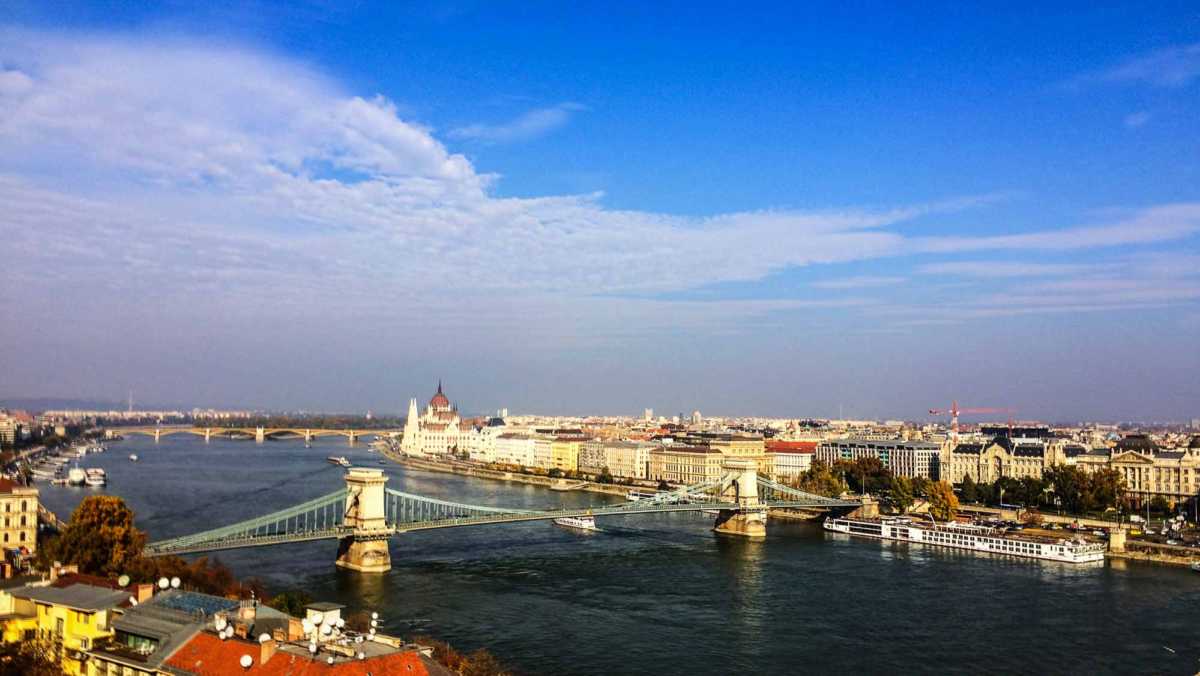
515 449
434 433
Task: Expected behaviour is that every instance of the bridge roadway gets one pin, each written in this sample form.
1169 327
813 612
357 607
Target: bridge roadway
259 433
365 514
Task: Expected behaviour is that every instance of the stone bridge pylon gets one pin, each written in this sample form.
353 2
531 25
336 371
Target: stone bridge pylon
750 517
366 549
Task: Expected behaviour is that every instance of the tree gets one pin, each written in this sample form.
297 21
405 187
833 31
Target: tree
943 504
821 480
920 486
605 477
663 485
555 473
292 603
900 494
969 491
28 658
101 538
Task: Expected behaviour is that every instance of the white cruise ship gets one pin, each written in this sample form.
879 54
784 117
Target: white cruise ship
965 536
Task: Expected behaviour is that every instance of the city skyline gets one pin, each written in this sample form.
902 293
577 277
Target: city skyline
559 212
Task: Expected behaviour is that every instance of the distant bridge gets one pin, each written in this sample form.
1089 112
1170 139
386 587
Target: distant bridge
259 433
365 514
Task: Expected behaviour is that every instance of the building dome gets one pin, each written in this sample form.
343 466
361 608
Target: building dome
439 400
1195 442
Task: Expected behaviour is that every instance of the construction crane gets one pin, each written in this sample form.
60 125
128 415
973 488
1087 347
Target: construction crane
954 412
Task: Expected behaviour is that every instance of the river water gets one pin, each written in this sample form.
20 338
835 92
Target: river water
662 593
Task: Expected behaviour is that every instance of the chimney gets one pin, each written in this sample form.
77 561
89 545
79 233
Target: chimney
295 629
266 650
247 612
241 629
142 592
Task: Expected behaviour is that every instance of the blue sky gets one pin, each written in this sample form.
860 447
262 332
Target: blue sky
785 210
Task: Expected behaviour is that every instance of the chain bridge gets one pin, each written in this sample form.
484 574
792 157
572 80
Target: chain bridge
365 514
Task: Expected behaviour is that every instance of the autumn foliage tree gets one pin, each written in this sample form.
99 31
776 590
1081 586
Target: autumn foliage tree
943 503
100 537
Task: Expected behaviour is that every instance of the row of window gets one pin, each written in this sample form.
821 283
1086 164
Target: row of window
24 506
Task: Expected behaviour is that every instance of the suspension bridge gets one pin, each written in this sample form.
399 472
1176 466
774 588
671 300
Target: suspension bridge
365 514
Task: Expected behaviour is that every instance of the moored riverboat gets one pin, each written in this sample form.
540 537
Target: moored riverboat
975 538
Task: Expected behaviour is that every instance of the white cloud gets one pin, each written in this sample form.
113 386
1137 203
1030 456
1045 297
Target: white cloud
1138 119
231 180
860 282
1174 66
1000 269
530 125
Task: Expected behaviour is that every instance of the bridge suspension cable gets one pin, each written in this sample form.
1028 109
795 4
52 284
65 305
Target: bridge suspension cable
311 520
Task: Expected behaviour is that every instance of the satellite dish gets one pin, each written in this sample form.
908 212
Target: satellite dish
374 616
359 639
264 637
223 635
374 623
362 656
372 631
341 623
326 629
306 625
123 581
246 661
163 583
316 618
312 648
220 623
330 660
133 600
175 582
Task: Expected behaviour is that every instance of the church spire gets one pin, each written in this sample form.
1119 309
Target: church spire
439 386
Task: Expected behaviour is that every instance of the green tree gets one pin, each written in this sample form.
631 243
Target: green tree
943 503
291 602
821 480
554 473
920 486
900 494
605 477
970 493
101 538
663 485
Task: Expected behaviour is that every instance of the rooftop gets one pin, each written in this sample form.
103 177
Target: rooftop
78 596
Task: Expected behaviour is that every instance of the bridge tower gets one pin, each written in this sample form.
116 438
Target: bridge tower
157 433
366 548
749 519
308 436
353 437
260 435
207 434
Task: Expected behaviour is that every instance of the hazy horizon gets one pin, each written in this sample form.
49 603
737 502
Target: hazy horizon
785 212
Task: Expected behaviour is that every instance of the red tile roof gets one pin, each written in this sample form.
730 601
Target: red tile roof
207 655
791 446
7 485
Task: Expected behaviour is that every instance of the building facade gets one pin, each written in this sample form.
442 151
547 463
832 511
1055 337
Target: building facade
902 458
682 464
18 516
434 433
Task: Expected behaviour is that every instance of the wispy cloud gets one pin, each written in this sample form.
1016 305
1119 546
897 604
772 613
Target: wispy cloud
1171 67
529 125
1138 119
1000 269
164 184
859 282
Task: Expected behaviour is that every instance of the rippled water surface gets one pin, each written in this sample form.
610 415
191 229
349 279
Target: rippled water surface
662 593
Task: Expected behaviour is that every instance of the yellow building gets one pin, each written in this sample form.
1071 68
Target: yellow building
70 619
685 464
18 516
747 446
564 453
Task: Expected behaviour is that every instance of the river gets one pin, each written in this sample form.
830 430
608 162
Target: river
662 593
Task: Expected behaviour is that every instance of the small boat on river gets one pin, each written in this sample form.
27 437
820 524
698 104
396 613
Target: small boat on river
584 523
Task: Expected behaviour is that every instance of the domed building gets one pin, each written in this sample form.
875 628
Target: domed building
436 432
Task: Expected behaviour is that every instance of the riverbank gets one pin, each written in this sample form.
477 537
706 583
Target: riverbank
464 469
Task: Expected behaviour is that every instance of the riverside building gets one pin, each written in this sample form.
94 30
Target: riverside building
18 516
434 433
902 458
